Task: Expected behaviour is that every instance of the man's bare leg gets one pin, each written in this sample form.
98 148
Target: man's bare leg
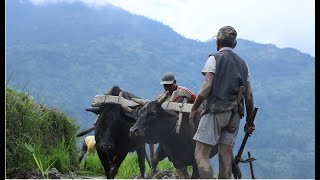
202 153
225 161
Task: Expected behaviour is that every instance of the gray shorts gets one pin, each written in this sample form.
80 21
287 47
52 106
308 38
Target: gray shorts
213 128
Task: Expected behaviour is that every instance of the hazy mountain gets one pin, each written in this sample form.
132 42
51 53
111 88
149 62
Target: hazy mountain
65 54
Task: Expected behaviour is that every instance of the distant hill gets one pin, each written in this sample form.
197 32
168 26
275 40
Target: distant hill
65 54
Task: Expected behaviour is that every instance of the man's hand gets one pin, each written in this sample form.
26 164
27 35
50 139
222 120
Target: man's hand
192 117
249 128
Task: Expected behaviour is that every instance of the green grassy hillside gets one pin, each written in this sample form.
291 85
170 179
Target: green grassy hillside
36 133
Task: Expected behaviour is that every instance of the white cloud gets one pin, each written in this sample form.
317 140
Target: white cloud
285 23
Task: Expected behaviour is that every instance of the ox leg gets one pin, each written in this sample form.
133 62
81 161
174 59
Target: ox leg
105 163
148 159
83 151
195 171
114 167
183 172
141 160
160 155
151 148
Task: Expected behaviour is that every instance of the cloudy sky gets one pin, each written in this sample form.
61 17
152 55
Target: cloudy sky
284 23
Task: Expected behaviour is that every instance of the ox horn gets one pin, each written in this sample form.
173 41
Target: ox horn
126 109
163 98
95 110
141 102
85 131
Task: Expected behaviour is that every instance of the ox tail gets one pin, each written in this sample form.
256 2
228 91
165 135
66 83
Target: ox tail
85 131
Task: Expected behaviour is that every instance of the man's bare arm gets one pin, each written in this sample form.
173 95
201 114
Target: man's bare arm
204 91
249 98
249 127
202 95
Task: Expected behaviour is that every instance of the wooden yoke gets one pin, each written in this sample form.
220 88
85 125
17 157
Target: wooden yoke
180 116
179 107
99 99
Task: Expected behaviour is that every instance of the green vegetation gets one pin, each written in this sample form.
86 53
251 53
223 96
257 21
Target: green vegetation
43 170
38 137
91 166
130 167
165 164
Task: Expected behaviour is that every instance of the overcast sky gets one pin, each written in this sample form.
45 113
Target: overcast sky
284 23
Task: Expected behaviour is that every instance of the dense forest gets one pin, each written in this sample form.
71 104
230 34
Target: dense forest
65 54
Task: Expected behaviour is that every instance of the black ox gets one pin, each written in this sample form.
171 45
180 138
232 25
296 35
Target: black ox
112 139
112 135
157 125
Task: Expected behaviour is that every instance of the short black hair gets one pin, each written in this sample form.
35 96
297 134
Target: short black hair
227 42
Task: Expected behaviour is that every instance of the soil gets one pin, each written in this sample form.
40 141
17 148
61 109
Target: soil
36 174
55 174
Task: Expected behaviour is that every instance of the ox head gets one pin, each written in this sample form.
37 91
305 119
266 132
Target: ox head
112 128
153 121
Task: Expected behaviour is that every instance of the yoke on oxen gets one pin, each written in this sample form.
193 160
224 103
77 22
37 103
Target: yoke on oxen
99 99
171 106
168 106
127 104
180 107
